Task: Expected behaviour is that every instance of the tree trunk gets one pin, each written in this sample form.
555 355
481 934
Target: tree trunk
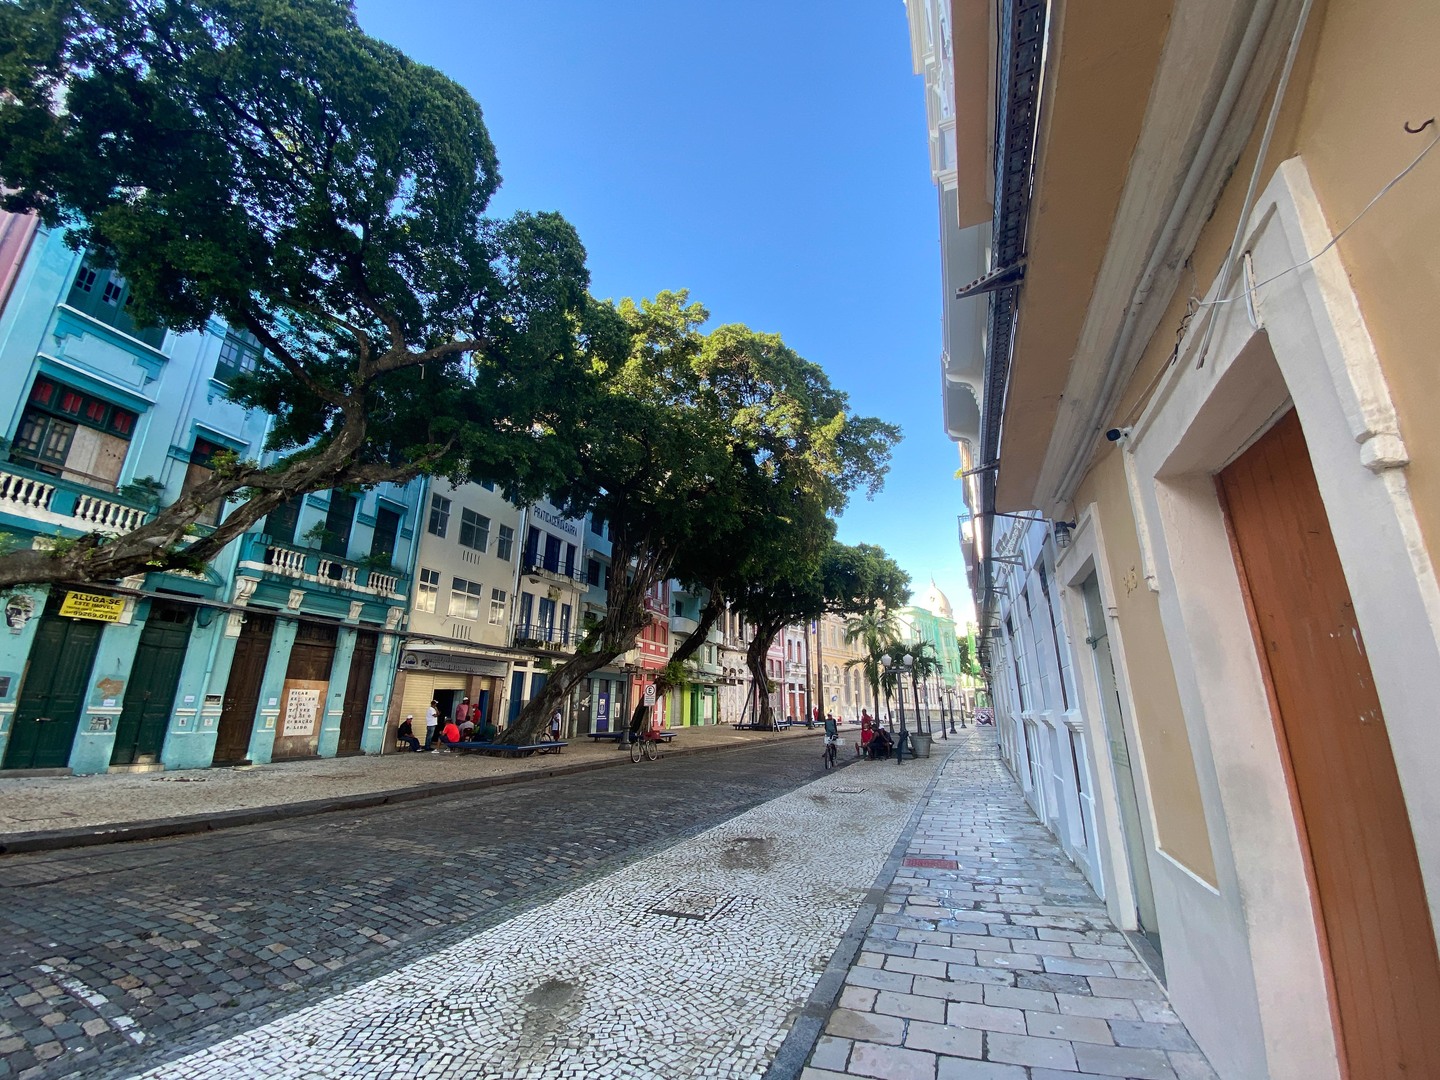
625 617
713 607
755 661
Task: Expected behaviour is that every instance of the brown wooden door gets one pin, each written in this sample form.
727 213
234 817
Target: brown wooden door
357 693
311 657
1380 943
242 690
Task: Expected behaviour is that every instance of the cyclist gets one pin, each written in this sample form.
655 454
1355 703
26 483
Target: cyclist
832 739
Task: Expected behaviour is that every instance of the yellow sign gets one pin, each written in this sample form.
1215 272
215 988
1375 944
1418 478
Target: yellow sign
80 605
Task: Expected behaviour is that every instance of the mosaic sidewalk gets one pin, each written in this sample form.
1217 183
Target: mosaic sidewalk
996 961
691 963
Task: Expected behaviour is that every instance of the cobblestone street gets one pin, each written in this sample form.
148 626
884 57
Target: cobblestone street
108 953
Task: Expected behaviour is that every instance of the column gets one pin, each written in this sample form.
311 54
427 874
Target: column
262 735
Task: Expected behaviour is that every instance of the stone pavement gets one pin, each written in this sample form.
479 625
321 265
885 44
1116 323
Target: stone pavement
115 955
992 959
32 807
690 963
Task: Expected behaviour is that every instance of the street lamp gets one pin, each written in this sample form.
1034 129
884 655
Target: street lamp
907 663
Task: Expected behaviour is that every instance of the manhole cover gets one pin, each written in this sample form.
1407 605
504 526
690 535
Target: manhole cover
933 864
688 904
846 790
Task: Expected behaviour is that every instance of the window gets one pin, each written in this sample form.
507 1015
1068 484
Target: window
104 295
679 607
570 560
387 529
439 515
504 542
200 469
597 525
552 553
465 598
527 606
339 520
73 435
240 354
545 617
564 624
488 485
280 523
497 607
427 589
592 571
474 530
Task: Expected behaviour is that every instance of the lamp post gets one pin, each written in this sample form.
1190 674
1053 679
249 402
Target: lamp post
907 663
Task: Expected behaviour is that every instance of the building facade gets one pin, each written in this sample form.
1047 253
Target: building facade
282 647
1209 353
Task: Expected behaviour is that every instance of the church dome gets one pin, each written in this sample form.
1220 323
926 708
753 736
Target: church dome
937 602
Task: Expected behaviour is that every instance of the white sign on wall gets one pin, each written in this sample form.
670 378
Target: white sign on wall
302 708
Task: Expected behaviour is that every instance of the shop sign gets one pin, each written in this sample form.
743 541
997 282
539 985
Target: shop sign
452 662
602 712
79 605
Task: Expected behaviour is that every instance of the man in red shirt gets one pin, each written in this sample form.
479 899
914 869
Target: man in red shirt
449 735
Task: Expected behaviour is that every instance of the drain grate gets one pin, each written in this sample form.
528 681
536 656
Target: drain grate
933 864
847 791
693 905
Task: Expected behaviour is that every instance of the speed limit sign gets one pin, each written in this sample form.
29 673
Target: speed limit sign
650 694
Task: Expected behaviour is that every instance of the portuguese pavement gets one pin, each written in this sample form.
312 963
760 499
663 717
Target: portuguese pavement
787 939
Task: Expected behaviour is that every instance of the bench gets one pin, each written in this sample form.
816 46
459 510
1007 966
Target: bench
508 749
663 734
780 725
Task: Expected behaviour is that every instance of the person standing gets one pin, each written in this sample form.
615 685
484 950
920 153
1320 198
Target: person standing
462 711
555 719
432 721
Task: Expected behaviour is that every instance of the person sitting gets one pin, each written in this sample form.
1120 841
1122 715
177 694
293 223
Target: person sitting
467 729
488 731
881 744
449 736
406 733
867 734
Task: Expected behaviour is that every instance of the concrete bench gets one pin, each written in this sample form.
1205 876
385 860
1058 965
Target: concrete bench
508 749
663 734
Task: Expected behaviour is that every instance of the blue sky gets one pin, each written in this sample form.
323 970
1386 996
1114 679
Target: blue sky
768 155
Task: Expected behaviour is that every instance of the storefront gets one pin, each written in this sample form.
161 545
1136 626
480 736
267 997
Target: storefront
449 677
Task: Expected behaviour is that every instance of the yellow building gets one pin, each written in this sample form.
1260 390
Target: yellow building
1213 230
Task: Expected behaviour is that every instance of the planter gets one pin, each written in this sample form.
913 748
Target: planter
921 743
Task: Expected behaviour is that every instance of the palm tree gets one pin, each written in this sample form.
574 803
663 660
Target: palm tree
877 629
926 662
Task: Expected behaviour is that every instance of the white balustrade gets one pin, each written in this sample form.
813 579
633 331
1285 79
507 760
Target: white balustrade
25 491
285 561
105 514
384 584
337 572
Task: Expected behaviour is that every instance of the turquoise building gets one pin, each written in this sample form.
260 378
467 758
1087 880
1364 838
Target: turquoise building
282 647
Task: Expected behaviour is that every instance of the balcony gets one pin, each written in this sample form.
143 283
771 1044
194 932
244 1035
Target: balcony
318 568
679 624
539 567
51 502
541 636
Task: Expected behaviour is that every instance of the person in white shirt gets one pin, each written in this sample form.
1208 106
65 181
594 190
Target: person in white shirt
432 720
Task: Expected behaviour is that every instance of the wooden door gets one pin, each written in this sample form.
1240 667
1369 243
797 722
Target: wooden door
1379 941
311 658
357 692
242 690
52 694
150 695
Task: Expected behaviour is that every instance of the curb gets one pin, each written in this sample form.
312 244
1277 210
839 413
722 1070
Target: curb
190 824
805 1032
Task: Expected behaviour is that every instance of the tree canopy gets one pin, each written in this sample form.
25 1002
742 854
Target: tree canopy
839 580
267 162
713 458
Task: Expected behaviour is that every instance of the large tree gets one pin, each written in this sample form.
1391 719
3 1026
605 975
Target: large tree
267 162
838 580
711 455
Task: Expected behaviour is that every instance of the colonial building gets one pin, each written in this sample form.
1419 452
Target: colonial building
282 647
459 628
1209 350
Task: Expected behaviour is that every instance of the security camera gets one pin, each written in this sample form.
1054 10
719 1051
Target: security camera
1115 434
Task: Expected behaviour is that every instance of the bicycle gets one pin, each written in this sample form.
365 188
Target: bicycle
644 744
832 744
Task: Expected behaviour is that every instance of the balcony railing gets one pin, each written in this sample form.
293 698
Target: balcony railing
50 501
681 624
532 564
541 636
319 568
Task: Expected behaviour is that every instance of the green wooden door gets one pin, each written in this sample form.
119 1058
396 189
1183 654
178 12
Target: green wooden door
150 695
52 694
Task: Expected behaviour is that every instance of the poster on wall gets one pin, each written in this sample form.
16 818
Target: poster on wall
602 711
302 710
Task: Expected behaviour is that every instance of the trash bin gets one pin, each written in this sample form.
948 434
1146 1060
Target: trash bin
921 743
